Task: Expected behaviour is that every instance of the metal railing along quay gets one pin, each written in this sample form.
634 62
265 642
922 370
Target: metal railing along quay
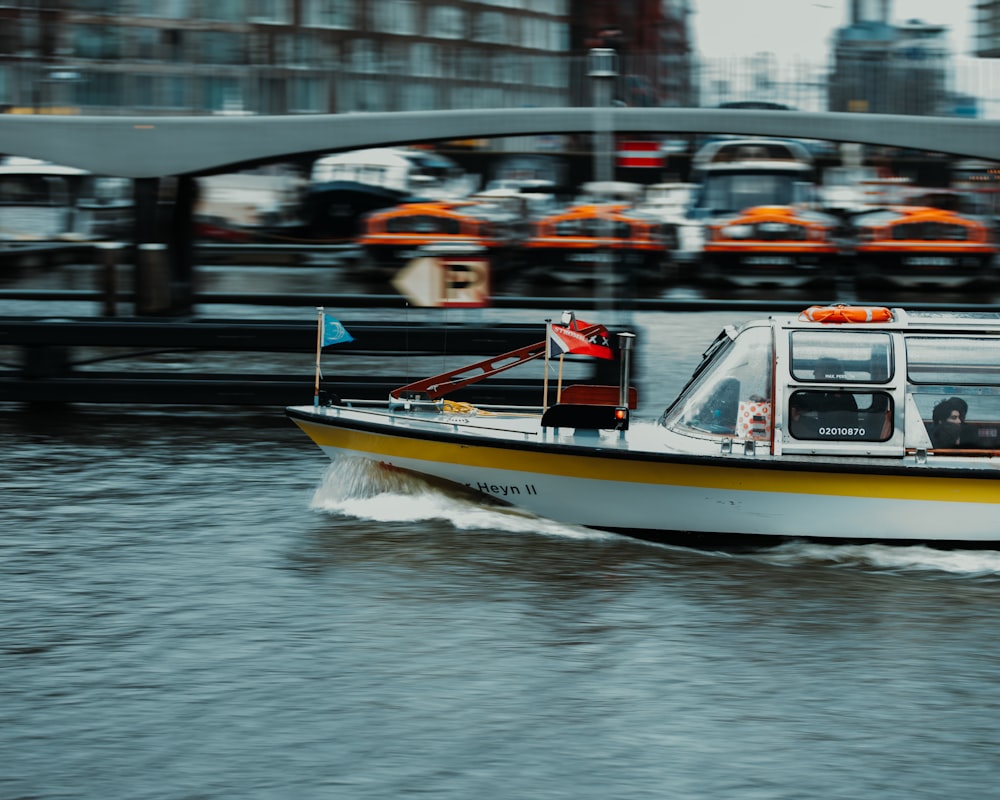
122 361
163 358
203 361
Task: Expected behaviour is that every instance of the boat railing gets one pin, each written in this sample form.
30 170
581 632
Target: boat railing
446 406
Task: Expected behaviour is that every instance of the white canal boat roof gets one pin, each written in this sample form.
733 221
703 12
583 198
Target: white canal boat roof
909 320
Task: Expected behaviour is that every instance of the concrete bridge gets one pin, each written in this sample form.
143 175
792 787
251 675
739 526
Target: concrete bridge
154 147
149 148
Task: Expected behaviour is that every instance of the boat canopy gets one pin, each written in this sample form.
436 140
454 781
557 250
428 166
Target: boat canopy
733 380
864 381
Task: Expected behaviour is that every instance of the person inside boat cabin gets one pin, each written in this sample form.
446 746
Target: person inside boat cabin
949 428
803 423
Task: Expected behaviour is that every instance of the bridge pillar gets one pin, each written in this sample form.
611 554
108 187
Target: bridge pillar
164 247
151 277
180 245
146 195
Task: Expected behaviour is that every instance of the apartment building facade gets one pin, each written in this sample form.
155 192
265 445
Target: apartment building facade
282 56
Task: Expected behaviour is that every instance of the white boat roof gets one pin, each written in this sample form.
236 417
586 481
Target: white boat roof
929 320
623 189
19 165
741 151
383 157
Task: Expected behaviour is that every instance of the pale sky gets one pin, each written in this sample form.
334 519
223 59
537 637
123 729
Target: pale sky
803 29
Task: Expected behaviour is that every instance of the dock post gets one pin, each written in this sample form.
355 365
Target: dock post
110 252
152 280
181 246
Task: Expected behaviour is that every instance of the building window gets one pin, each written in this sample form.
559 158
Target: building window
363 56
472 67
99 89
167 9
99 6
308 94
276 11
144 87
396 58
509 68
365 95
222 93
225 10
395 16
545 34
309 51
222 47
551 71
425 60
29 37
490 27
145 44
176 92
96 41
418 97
329 13
446 22
9 39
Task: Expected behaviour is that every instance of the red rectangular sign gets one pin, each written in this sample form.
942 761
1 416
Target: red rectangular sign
639 154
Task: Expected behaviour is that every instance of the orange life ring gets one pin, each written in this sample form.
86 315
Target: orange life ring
845 313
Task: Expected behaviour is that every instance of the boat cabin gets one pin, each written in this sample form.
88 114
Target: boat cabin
848 381
410 171
44 201
738 174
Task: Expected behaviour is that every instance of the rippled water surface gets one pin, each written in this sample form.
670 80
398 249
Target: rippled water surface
196 606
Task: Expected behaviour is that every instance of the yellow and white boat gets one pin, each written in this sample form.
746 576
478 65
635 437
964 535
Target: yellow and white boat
819 425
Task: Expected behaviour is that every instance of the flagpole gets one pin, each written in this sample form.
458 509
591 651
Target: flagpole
545 381
319 349
559 385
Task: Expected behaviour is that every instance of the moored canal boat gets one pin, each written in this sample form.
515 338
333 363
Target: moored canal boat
919 246
772 245
598 242
394 236
827 425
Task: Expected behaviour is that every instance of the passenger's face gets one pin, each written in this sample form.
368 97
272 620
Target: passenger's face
955 416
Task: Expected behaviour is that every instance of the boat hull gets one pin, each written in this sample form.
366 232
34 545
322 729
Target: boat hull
609 484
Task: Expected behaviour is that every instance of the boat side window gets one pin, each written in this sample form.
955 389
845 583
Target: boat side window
960 417
838 356
840 415
36 190
424 223
957 372
953 360
731 395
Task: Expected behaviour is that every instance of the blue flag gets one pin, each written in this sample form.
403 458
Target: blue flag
333 331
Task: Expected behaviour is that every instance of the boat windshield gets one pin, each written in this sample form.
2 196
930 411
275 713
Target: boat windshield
730 395
729 193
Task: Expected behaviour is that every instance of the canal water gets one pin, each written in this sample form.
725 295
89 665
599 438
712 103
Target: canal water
196 604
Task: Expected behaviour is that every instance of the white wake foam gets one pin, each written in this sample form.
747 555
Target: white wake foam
360 488
887 557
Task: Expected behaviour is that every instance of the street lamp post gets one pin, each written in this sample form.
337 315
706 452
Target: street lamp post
602 63
602 68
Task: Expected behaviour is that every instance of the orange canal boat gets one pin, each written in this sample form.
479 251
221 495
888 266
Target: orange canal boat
923 246
393 236
595 241
784 245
